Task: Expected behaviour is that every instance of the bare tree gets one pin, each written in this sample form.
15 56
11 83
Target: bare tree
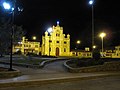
5 35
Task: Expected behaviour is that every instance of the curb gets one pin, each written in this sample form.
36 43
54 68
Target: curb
107 66
39 82
10 74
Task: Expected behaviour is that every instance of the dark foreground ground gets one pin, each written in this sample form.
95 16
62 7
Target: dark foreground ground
106 83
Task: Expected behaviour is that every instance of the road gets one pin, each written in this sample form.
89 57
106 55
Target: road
106 83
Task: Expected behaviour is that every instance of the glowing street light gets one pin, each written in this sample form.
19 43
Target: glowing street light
91 2
49 31
94 46
6 6
78 41
102 35
34 38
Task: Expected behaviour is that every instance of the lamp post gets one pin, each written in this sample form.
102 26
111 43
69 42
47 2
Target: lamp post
102 35
49 31
91 2
8 7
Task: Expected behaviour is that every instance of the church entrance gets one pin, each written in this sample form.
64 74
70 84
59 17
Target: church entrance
57 51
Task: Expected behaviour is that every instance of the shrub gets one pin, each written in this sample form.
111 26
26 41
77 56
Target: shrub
90 63
45 56
32 54
18 53
96 54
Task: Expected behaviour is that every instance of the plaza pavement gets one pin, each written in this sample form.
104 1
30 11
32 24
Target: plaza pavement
53 73
30 78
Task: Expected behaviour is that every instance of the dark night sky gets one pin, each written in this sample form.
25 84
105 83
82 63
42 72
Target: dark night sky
74 17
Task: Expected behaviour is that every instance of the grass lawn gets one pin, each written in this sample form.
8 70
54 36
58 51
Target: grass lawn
89 62
34 61
26 61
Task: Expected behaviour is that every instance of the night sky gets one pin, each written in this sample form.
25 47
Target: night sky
74 17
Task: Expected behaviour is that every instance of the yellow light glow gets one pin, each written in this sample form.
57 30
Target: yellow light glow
94 46
34 37
78 42
102 35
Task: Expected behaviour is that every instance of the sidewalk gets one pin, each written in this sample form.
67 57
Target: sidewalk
47 75
38 79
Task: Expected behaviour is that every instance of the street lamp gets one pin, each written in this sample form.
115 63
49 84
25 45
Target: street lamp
34 38
94 46
91 2
102 35
78 42
49 31
7 6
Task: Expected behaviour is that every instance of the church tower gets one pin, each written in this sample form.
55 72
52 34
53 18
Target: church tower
55 43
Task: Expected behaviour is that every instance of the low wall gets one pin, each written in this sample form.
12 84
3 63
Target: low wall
107 66
9 74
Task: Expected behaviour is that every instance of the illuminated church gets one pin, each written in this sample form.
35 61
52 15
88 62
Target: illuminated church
55 43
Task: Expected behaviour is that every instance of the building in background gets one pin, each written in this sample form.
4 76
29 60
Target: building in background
112 53
82 53
26 47
116 52
56 43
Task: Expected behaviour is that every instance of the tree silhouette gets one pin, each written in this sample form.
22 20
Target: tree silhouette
5 35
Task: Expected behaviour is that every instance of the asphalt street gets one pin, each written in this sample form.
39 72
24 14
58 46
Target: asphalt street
106 83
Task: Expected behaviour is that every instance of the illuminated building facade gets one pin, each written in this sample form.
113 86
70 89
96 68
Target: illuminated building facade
26 47
115 53
56 43
82 53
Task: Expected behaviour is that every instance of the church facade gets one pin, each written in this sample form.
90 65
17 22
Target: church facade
55 43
